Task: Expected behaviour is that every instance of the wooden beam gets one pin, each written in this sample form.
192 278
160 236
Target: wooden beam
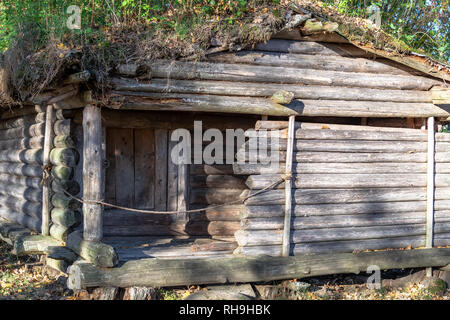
46 187
181 272
430 187
93 177
288 189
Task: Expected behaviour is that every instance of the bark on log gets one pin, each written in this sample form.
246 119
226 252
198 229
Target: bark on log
253 89
233 72
147 272
97 253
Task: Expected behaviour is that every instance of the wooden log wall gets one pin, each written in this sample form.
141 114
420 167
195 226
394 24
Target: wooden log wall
355 188
64 158
326 79
21 143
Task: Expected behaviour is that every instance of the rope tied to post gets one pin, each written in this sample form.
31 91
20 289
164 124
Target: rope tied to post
46 172
240 201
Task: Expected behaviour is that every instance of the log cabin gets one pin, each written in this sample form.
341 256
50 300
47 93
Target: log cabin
364 168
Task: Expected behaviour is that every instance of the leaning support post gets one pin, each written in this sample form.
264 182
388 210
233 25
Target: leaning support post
288 188
430 188
46 187
93 177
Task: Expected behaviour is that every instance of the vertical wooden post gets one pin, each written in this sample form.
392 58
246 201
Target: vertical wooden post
93 176
46 187
430 187
288 189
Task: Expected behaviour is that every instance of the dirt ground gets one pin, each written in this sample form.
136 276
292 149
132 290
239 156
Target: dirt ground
26 278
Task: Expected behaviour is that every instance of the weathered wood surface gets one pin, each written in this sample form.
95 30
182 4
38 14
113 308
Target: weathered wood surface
349 180
10 231
28 156
217 181
253 89
34 244
341 221
339 196
93 175
306 61
23 143
262 237
32 130
60 253
21 218
21 169
163 273
237 72
225 213
313 48
66 217
36 110
95 252
304 210
64 157
214 195
27 193
59 232
32 182
14 203
22 121
245 105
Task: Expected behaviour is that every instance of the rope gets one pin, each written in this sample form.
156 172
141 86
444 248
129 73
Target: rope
101 202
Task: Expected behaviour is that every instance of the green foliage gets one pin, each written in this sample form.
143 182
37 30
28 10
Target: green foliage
422 24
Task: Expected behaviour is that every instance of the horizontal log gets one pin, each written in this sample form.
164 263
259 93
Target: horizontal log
34 244
129 100
17 190
217 181
59 232
134 70
212 228
10 231
206 169
27 170
60 200
64 157
213 245
57 264
22 121
29 156
31 111
22 219
342 221
62 186
20 180
62 172
313 48
63 141
23 132
179 272
235 72
65 217
339 168
275 237
214 196
117 217
254 89
339 157
61 253
225 213
303 210
17 204
350 146
338 181
280 125
339 196
97 253
63 127
142 230
25 143
305 61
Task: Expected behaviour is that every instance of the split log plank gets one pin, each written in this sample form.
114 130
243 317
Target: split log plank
163 273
